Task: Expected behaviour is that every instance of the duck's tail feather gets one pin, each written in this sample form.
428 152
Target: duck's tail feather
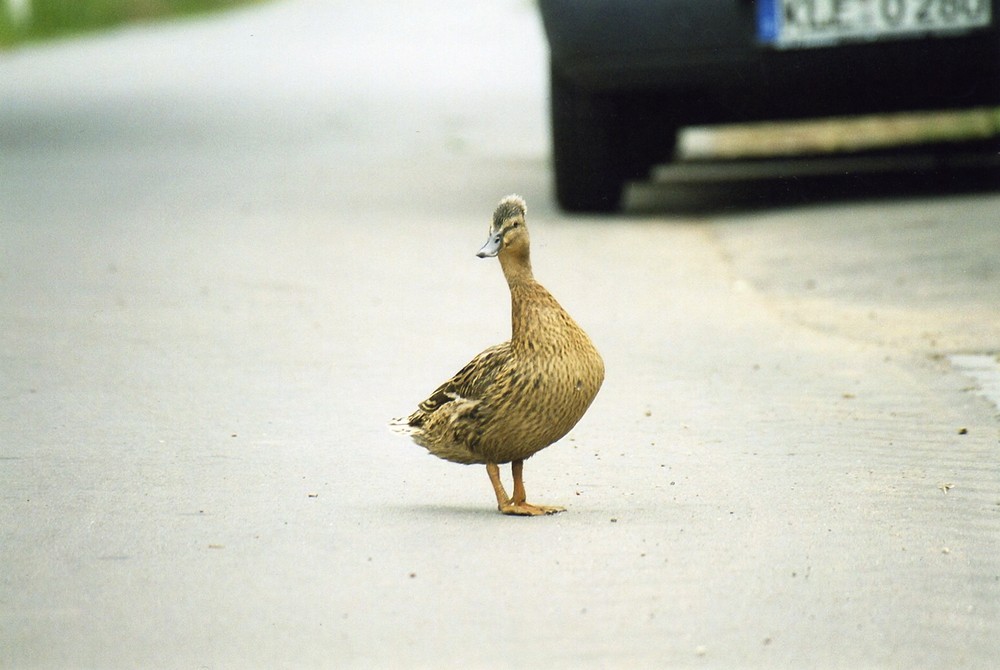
402 426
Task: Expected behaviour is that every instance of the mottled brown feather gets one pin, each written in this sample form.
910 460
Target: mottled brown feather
472 382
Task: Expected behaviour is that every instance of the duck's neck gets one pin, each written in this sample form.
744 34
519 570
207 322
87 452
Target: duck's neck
516 268
525 296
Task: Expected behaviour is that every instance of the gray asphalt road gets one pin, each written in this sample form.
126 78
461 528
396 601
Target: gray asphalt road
232 249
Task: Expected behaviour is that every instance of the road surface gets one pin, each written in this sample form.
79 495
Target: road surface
232 249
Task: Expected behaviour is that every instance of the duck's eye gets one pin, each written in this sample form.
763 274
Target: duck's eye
516 224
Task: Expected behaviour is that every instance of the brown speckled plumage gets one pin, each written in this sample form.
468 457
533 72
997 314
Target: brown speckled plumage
518 397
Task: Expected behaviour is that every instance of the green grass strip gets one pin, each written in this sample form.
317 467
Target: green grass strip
29 20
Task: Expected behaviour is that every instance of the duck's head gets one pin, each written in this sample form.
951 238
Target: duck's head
508 232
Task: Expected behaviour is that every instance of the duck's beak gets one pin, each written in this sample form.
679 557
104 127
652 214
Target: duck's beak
492 246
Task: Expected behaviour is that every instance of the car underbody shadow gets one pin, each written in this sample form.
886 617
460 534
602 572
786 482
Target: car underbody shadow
710 187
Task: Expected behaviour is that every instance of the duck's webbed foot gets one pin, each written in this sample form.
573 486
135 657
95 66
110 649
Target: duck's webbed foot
527 509
517 505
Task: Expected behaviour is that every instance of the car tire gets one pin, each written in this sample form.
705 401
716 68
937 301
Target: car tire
585 136
600 141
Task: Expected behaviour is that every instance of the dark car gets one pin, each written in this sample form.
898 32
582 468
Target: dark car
626 74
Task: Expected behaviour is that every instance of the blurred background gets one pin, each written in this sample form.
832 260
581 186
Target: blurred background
884 150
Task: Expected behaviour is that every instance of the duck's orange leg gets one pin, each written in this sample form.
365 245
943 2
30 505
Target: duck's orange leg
493 470
516 505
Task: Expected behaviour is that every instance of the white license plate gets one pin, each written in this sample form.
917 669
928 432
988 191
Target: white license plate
792 24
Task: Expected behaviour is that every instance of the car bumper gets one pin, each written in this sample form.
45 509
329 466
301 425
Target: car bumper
704 54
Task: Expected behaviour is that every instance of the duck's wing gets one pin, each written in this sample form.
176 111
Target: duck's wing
470 383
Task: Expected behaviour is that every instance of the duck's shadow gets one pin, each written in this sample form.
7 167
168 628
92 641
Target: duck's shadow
444 511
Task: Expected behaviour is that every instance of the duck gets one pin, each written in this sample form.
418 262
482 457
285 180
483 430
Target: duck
520 396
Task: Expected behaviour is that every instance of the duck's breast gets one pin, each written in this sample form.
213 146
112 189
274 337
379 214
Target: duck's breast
547 391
